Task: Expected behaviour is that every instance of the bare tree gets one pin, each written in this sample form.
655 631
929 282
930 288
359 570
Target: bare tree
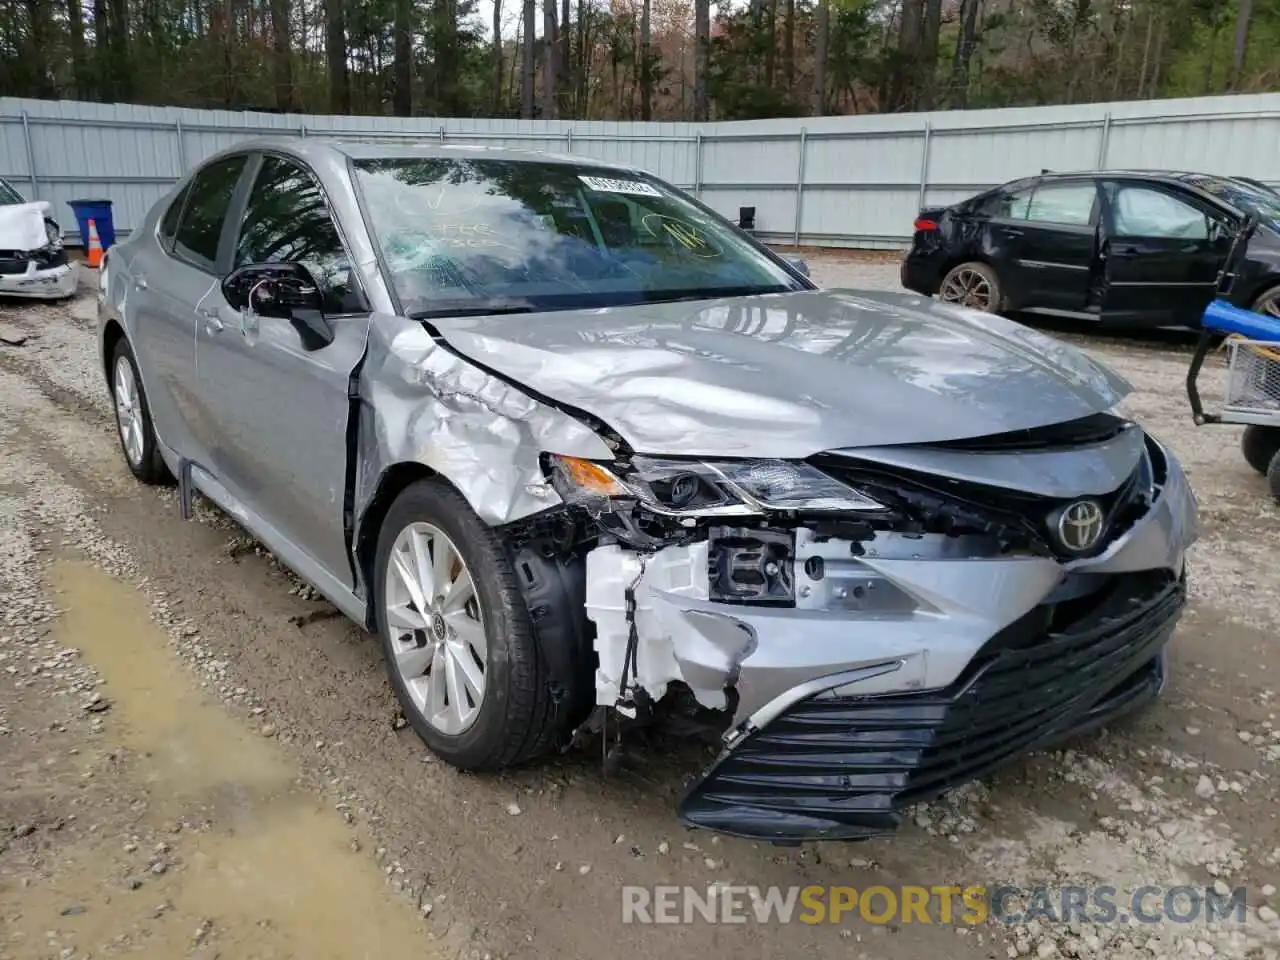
1243 14
336 55
79 68
282 56
402 94
965 45
701 58
497 57
646 62
789 46
822 24
551 68
526 62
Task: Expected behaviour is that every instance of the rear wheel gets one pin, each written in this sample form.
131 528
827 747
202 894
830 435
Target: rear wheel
1273 478
1260 445
973 285
458 640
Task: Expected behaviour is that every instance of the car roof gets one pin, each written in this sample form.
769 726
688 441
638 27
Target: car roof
367 147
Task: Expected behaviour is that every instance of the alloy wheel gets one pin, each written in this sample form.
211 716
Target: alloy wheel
968 288
437 632
128 411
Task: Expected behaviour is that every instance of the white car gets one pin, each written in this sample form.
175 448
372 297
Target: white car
33 262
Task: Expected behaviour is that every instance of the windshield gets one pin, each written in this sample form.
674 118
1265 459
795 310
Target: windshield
549 236
1243 196
8 194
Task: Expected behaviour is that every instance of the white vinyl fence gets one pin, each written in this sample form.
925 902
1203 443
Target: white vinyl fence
825 181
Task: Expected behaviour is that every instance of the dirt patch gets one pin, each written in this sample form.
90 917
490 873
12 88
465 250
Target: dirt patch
256 866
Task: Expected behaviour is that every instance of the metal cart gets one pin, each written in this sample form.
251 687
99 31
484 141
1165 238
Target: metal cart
1252 349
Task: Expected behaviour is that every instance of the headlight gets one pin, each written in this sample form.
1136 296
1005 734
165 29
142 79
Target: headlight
729 488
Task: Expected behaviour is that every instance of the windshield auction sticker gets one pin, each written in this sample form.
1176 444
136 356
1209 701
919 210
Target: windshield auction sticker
606 185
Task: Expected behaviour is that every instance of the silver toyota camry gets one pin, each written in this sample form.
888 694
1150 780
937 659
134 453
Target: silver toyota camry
590 460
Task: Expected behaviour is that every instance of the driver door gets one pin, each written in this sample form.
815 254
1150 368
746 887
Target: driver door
280 410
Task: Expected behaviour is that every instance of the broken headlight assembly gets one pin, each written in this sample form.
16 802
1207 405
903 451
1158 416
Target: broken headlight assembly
696 488
747 563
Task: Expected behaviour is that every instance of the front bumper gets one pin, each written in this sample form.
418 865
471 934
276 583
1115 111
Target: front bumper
51 283
846 766
842 720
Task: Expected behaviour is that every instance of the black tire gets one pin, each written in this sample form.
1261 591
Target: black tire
515 722
150 467
1260 445
1269 303
992 301
1273 478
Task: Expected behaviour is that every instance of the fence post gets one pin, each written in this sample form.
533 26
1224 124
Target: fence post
302 131
442 134
182 147
697 165
804 142
569 139
924 165
31 157
1103 141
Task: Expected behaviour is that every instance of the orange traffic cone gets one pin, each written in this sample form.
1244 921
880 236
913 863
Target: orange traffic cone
94 251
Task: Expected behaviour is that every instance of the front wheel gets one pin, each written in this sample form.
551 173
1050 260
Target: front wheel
1273 478
133 419
459 643
1260 445
973 285
1269 303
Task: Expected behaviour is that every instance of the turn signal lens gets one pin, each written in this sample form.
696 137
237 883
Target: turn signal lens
589 478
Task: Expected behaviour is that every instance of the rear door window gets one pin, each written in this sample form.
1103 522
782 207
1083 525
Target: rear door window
1071 204
209 197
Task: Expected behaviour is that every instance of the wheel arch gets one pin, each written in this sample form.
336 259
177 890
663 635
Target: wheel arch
393 481
112 334
1264 284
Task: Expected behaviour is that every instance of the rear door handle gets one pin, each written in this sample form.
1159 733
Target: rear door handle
140 281
1011 231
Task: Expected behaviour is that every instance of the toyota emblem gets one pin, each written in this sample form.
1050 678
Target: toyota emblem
1080 526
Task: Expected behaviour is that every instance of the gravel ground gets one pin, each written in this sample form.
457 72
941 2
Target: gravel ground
199 759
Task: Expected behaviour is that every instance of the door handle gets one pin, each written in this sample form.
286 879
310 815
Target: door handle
1012 232
140 281
212 322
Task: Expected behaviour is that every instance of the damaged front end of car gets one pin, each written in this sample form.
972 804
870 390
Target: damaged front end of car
33 260
865 629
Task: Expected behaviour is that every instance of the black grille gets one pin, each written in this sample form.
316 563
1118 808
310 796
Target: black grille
931 504
12 265
843 768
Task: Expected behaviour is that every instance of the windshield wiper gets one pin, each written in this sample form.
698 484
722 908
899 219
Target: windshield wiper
472 307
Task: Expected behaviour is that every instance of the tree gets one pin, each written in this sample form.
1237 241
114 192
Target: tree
1244 14
821 34
336 54
282 56
701 58
402 98
645 66
527 62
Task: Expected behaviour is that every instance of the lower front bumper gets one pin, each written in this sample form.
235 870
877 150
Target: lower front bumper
846 766
53 283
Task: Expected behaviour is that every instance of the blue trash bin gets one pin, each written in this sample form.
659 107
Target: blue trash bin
99 211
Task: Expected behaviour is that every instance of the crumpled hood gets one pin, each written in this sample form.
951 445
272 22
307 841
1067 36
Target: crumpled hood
22 226
790 375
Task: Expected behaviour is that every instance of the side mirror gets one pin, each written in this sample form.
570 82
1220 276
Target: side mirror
285 291
801 267
272 289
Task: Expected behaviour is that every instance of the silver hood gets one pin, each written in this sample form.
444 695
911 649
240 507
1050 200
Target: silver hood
790 375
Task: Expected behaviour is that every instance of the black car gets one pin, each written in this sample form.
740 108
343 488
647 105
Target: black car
1130 248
